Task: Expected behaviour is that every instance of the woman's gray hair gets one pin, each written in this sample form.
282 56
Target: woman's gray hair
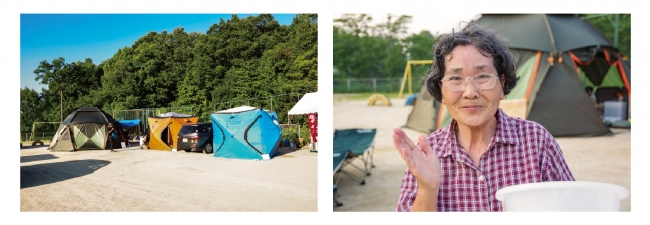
487 42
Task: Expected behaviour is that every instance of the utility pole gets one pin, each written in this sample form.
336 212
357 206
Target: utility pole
61 91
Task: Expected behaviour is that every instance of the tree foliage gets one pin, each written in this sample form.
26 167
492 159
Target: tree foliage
363 49
235 60
606 23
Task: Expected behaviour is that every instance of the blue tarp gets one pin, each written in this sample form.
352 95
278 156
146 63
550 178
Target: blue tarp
128 123
250 134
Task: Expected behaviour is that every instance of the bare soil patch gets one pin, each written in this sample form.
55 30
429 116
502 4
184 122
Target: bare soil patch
135 180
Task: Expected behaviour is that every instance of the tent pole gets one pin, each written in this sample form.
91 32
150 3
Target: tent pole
550 34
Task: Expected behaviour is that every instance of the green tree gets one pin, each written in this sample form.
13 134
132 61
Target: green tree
70 80
363 50
607 24
240 59
420 47
31 109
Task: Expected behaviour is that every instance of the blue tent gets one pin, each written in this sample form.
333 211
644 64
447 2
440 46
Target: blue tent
411 99
245 133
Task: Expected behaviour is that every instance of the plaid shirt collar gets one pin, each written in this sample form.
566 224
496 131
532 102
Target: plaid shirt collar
451 146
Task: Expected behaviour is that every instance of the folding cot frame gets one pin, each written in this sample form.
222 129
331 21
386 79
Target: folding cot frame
339 159
364 153
349 145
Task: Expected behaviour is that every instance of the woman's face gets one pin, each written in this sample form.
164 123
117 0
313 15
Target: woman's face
471 106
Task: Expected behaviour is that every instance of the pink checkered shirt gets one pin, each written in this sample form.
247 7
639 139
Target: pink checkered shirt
520 152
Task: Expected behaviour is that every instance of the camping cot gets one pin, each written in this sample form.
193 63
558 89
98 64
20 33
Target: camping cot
357 144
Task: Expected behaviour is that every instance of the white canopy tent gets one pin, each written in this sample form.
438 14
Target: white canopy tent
173 114
306 105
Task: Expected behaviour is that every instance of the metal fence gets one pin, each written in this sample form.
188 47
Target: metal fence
43 136
129 114
364 85
288 131
143 114
260 102
289 128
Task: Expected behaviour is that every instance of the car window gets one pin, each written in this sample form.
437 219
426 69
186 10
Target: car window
205 127
188 129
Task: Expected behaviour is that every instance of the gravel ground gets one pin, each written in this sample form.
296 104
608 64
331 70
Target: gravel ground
599 159
135 180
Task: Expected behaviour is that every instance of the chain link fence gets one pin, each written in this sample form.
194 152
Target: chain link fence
43 136
294 133
143 114
129 114
260 102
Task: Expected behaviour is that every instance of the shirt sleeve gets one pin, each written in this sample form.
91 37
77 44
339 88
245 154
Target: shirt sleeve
407 192
554 167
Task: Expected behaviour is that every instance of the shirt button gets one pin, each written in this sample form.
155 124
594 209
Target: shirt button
481 178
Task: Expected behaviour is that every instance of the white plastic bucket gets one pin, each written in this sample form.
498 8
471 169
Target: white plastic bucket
562 196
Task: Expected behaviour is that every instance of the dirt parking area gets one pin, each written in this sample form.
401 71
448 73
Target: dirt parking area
599 159
135 180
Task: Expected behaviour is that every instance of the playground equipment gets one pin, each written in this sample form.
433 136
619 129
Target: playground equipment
381 98
407 74
32 138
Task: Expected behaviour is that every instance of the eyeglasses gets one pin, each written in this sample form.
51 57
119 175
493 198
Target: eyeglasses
457 83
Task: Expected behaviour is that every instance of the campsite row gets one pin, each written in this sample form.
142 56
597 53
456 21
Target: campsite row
242 133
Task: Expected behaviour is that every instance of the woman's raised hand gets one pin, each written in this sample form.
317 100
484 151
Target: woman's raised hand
420 159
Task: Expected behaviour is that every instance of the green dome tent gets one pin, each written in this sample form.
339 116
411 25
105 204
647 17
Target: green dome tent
85 129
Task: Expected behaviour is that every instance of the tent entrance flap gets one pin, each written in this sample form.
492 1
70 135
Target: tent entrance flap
89 136
255 139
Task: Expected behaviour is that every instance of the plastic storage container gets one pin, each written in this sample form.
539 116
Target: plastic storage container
614 111
562 196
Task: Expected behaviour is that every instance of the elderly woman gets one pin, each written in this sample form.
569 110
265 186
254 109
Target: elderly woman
461 166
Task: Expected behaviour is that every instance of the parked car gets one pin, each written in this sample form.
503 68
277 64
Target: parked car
193 137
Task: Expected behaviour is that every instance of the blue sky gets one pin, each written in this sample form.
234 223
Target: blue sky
76 37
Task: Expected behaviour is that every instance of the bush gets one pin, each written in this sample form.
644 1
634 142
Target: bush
290 134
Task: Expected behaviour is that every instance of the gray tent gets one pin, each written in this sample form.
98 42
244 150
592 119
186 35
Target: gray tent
556 57
85 129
